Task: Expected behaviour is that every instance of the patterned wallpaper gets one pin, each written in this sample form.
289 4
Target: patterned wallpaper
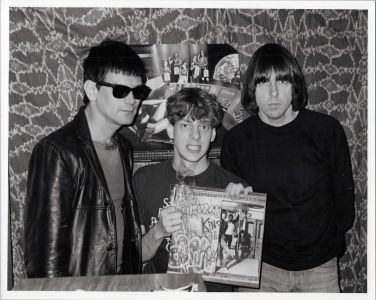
47 46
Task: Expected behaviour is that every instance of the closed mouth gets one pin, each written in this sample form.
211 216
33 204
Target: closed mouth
195 148
127 110
274 105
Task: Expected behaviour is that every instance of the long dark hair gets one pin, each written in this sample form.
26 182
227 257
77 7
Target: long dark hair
275 57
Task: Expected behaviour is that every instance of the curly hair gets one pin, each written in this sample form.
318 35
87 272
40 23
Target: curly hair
275 57
196 104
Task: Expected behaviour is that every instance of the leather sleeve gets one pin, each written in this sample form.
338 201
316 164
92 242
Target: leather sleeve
132 244
48 212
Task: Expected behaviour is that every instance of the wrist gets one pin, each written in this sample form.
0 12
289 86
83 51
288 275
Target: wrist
160 231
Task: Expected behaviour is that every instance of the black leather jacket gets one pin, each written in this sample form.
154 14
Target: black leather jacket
70 219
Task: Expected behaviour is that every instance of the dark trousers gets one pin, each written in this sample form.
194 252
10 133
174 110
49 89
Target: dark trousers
228 239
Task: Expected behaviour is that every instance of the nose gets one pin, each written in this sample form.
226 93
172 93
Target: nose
195 133
273 88
130 99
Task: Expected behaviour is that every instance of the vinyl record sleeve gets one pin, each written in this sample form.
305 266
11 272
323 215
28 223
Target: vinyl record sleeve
209 245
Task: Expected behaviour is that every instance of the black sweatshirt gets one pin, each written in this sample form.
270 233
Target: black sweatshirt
305 169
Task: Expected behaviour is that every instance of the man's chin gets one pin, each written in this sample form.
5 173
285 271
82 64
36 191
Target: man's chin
128 121
194 158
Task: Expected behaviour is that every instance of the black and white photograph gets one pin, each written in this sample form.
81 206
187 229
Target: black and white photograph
106 106
240 241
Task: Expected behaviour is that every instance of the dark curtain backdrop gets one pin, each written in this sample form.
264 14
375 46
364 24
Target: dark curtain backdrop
48 45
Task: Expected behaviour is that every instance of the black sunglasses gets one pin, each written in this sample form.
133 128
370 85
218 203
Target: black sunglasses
140 92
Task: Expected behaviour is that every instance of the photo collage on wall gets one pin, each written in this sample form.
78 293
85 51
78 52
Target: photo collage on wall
171 67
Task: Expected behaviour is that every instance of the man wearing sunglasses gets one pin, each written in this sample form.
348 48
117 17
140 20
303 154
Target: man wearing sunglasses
81 218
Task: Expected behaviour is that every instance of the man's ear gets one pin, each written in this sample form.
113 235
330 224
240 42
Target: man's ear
170 131
91 90
213 135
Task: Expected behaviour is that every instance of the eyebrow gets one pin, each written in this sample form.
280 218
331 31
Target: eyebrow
206 122
283 77
265 78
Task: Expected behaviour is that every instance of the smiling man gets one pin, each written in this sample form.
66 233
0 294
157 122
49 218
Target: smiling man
300 158
81 218
193 115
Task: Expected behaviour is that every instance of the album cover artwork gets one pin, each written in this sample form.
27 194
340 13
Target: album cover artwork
221 238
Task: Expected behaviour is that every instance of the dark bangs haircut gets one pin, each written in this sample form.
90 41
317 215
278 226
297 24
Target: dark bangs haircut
196 104
266 59
112 56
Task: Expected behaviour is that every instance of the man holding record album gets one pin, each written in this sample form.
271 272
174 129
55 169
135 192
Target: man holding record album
193 115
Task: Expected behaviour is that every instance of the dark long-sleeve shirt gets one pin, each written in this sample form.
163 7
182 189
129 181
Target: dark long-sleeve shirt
305 169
